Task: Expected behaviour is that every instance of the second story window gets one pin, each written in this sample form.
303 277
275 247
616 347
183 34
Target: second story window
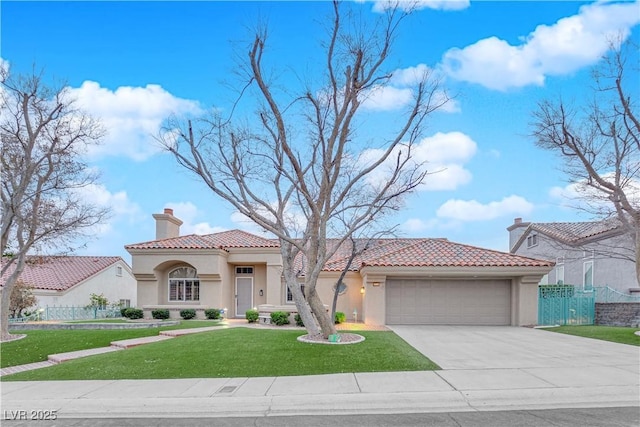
532 240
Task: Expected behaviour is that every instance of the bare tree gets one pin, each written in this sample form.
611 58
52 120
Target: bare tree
600 142
43 139
298 171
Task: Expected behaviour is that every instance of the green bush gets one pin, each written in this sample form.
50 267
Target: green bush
188 313
123 310
298 320
133 313
280 318
212 313
339 317
252 315
161 314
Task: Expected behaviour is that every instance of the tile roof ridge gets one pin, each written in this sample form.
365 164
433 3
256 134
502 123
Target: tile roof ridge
495 251
414 242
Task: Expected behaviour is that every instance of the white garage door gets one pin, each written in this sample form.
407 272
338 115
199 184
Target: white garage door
448 302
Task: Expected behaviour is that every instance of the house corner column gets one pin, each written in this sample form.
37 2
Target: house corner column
274 284
373 303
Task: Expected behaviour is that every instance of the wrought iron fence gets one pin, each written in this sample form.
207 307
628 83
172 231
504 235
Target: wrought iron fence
565 305
78 313
608 294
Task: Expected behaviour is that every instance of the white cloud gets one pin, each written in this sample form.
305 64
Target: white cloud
382 5
386 98
579 195
472 210
121 207
416 225
565 47
399 91
443 155
131 116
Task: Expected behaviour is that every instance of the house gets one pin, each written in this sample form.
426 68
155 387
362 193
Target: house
395 281
69 281
587 254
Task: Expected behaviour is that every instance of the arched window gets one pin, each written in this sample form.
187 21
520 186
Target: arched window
184 284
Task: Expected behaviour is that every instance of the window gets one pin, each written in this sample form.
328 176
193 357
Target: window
118 271
532 240
244 270
125 303
560 271
184 284
290 295
587 281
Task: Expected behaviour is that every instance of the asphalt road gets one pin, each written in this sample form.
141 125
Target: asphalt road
591 417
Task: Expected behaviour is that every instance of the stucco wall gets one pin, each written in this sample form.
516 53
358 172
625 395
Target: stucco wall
106 282
617 273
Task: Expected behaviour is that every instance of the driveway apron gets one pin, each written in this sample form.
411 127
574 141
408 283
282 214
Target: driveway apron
524 357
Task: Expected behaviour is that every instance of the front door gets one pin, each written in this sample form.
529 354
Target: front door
244 295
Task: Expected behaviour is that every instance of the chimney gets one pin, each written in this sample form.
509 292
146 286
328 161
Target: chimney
517 221
167 225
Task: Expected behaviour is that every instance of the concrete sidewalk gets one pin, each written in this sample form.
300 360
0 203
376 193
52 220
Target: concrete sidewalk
476 381
360 393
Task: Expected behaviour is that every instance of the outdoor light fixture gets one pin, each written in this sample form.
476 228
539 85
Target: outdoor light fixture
261 292
376 283
362 290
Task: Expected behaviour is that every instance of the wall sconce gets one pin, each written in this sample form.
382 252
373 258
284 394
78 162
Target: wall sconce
261 292
362 290
376 283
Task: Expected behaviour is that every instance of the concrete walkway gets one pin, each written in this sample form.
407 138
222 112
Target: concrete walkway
468 382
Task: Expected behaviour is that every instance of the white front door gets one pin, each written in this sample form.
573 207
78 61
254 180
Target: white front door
244 295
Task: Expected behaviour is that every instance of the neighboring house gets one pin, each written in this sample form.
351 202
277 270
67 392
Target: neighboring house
587 254
395 281
69 281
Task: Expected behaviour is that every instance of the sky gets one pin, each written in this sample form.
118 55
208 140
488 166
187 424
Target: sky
133 64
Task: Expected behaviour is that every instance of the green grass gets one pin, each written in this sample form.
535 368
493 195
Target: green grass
617 334
239 352
38 344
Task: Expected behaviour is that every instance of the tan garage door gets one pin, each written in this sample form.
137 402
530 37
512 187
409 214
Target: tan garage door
448 302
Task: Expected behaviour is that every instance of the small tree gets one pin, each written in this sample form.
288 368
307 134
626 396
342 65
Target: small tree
43 137
98 301
21 298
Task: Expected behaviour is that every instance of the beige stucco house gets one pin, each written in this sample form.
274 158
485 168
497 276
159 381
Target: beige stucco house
395 281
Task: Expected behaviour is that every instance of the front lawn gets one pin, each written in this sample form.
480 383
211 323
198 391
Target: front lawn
38 344
239 352
617 334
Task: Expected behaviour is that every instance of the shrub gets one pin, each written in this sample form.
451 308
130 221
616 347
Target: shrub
133 313
188 313
212 313
280 318
339 317
252 315
123 310
161 314
298 320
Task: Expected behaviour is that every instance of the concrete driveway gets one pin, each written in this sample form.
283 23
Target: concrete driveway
500 347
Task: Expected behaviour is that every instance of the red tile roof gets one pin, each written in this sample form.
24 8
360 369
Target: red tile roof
573 232
222 240
60 273
420 252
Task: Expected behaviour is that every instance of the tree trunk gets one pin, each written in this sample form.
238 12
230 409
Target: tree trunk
5 302
637 245
327 325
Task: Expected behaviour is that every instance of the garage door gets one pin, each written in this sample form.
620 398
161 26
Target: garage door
448 302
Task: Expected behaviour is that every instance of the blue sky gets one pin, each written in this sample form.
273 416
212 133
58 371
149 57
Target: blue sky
132 64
